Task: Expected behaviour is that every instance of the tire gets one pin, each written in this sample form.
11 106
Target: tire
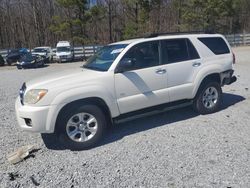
9 62
83 135
208 99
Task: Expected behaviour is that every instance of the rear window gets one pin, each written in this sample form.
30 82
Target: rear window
216 44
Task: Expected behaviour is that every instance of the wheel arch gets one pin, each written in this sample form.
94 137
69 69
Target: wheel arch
212 77
80 102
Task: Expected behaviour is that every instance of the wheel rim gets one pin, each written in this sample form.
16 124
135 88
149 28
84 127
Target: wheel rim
81 127
210 97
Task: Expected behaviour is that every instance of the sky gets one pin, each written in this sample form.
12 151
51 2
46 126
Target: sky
92 2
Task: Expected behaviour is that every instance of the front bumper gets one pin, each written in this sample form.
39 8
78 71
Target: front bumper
27 65
31 118
64 58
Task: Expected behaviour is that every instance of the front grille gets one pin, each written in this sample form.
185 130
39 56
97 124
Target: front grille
63 57
21 92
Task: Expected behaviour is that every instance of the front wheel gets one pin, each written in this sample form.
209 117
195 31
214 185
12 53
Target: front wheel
82 128
9 62
208 98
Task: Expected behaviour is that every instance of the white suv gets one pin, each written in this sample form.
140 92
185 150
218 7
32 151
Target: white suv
127 79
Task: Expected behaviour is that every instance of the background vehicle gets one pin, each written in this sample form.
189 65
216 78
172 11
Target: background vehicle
2 62
45 51
126 80
30 60
15 54
64 51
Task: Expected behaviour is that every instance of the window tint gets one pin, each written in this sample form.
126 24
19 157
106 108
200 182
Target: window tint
177 50
143 55
216 44
104 58
193 54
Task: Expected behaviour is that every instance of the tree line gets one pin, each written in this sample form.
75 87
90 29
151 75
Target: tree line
30 23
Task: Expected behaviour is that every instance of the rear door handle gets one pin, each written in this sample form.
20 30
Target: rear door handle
196 64
160 71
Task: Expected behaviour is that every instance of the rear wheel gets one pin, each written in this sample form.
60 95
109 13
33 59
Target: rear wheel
208 98
81 128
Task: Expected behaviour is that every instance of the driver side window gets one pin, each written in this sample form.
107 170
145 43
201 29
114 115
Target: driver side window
142 55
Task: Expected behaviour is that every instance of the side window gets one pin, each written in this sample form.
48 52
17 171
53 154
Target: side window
178 50
193 54
143 55
216 44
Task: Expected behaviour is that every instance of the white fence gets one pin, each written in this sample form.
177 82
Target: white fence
3 53
83 52
80 52
239 39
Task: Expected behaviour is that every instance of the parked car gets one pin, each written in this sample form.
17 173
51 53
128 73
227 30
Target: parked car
64 52
45 51
2 62
30 60
15 54
125 80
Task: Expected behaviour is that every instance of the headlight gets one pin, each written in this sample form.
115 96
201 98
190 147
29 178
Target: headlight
33 61
34 95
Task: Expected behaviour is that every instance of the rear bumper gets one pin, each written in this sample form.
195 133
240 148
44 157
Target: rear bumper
227 77
231 80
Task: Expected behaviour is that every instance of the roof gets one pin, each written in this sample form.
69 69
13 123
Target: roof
42 47
167 36
63 44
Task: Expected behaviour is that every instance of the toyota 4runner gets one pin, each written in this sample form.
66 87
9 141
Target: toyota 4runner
126 80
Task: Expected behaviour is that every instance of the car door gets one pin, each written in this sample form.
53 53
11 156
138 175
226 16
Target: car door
145 83
182 63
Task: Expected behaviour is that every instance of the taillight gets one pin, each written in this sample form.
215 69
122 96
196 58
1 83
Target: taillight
234 60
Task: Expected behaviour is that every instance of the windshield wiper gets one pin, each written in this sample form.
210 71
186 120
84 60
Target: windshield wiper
93 68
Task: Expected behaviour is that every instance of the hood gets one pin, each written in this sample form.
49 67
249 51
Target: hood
62 53
39 53
64 79
13 55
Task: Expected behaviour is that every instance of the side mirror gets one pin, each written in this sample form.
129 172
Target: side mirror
125 64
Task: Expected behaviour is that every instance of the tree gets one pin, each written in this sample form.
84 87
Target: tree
72 24
208 15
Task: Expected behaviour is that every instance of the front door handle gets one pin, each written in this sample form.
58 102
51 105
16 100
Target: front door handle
160 71
196 64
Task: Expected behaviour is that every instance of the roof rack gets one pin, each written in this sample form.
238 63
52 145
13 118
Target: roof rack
152 35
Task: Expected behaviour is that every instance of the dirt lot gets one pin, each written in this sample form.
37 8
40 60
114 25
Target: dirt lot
173 149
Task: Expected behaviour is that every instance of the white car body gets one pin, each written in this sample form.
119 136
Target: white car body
48 54
124 92
64 55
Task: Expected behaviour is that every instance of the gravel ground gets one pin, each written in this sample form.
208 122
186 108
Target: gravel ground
172 149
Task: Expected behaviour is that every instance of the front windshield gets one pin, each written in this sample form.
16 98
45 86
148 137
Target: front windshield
63 49
104 58
41 50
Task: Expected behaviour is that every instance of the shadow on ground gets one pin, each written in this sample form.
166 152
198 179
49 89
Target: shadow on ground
41 67
119 131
